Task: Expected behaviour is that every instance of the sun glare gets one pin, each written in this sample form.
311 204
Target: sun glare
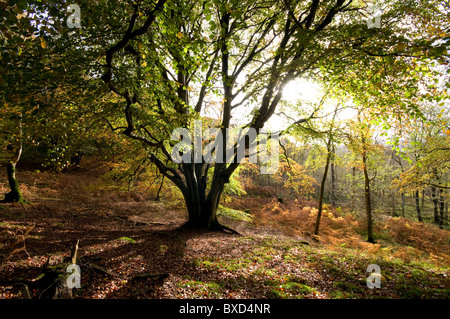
302 89
293 92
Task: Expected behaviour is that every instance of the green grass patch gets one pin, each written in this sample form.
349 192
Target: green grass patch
261 254
338 294
290 290
349 287
201 289
409 291
231 265
264 272
127 240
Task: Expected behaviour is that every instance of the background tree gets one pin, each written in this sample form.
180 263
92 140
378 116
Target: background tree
426 148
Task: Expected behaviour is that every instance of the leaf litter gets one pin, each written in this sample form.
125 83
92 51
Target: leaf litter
142 255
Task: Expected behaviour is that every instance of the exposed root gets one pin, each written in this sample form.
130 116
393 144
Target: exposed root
226 228
214 227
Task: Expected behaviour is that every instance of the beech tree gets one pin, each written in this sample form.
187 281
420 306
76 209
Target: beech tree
162 64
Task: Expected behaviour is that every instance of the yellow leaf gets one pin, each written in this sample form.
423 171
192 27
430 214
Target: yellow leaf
179 35
43 43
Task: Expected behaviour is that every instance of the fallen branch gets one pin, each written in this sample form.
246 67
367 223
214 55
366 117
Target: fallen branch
20 237
96 268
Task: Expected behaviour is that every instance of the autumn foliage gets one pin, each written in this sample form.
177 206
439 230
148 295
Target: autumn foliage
396 237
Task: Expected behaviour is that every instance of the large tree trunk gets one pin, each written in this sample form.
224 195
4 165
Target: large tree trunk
202 207
202 214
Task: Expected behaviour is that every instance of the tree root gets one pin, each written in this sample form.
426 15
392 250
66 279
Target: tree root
11 198
96 268
214 227
226 228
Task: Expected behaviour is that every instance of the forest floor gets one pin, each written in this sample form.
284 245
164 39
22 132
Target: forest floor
133 247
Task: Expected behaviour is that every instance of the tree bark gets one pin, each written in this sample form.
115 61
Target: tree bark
367 201
322 188
419 214
422 205
158 194
446 212
394 212
434 192
399 161
333 176
202 207
15 195
441 208
403 204
352 199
